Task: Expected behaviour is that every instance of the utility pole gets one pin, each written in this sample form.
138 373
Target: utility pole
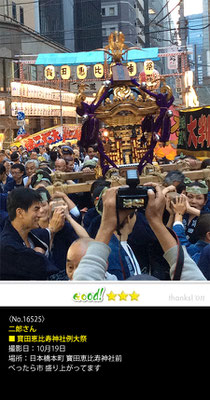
196 65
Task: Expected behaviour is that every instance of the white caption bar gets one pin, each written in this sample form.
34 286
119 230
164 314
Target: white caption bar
98 293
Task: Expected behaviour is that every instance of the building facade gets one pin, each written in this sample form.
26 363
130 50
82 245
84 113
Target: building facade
87 25
19 46
124 16
56 20
195 39
206 41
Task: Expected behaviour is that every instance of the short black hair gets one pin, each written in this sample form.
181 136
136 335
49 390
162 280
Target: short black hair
202 226
14 156
18 166
205 163
2 168
21 198
173 176
180 187
99 182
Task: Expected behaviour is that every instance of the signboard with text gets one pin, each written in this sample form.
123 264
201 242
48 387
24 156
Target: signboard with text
51 136
194 131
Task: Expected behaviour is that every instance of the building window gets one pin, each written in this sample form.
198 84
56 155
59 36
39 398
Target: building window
111 11
14 11
33 73
106 31
21 15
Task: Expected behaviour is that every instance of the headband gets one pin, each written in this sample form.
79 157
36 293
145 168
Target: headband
100 199
197 189
40 177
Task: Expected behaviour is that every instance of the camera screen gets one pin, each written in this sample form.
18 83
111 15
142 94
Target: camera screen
133 203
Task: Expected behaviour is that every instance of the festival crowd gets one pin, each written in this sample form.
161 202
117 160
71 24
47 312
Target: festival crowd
80 236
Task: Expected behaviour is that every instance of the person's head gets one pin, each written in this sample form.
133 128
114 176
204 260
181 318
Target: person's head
2 172
31 166
197 194
60 165
7 165
174 178
40 179
53 155
89 165
69 164
205 163
33 155
23 207
24 155
91 152
7 153
14 148
76 153
66 151
98 191
75 252
42 149
128 224
15 156
17 172
45 200
202 230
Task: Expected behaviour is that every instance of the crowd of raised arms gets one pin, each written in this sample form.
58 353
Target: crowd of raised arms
65 237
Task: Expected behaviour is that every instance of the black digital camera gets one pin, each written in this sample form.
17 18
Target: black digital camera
134 196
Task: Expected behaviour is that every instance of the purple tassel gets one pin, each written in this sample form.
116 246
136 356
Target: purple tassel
104 157
148 157
90 127
147 124
162 122
90 130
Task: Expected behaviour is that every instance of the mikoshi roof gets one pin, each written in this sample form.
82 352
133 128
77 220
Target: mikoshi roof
94 57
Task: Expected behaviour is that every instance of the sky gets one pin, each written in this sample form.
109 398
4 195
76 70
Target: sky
190 7
193 7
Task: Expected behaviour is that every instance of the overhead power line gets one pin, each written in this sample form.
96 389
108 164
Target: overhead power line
170 12
159 12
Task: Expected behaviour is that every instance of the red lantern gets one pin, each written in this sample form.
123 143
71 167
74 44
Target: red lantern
152 81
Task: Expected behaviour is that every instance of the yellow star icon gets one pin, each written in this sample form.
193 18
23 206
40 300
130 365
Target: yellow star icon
134 296
111 296
123 296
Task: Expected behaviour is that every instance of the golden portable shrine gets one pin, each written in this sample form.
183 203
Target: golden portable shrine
134 114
